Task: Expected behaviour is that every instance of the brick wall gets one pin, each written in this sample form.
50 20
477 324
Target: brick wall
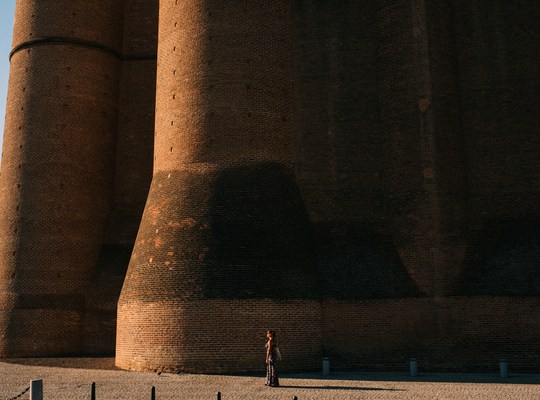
339 150
361 177
217 336
447 334
133 172
499 88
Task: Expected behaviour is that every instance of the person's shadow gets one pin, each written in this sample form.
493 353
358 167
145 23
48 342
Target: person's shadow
341 388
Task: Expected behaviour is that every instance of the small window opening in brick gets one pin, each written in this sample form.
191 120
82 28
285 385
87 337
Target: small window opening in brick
174 72
14 253
13 275
174 96
20 146
18 185
172 123
174 48
24 89
249 114
175 24
171 149
61 186
18 208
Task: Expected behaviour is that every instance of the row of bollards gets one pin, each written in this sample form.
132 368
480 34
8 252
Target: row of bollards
503 368
413 367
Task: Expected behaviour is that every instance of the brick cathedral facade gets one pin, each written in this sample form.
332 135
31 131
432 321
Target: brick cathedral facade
360 176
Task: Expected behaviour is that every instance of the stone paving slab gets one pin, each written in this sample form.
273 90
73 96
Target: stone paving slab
70 378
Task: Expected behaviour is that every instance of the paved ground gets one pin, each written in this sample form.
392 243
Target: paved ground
70 378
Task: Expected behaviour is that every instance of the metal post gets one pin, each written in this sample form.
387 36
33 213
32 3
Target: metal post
93 391
413 367
36 390
503 368
326 366
153 393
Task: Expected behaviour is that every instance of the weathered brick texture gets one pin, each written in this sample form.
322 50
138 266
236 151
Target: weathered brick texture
133 172
224 218
361 176
57 170
217 336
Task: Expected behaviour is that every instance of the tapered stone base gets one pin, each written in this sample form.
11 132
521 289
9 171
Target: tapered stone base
223 254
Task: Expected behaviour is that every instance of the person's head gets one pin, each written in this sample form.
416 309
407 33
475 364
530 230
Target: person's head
270 334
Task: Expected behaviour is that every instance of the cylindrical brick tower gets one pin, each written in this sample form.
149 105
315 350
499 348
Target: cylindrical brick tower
57 170
222 252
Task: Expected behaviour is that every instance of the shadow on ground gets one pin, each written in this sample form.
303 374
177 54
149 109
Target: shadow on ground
424 377
101 363
341 388
107 363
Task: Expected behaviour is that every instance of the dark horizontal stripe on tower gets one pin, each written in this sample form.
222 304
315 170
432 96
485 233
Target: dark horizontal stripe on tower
81 43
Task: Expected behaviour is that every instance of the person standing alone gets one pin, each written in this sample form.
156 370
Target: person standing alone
271 359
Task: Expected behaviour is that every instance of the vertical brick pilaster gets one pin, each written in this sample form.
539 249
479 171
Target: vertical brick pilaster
424 169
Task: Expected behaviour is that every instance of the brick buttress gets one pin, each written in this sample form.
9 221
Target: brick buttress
223 251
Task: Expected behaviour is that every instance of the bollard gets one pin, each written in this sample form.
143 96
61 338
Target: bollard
153 393
326 366
36 390
503 368
413 367
218 396
93 391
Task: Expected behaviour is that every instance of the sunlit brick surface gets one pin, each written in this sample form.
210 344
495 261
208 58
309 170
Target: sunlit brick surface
361 176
